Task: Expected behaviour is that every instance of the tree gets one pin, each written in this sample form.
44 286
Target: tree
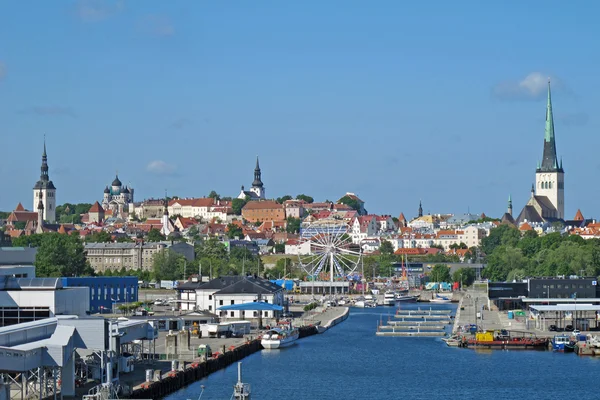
306 198
440 273
214 195
502 235
61 255
237 205
350 202
280 248
28 241
154 235
281 200
386 247
212 248
99 237
168 265
292 225
234 231
464 275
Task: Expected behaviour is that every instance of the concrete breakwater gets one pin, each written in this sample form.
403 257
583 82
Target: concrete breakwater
192 372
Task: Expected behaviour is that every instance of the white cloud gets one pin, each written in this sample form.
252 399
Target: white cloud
2 70
97 10
532 87
160 167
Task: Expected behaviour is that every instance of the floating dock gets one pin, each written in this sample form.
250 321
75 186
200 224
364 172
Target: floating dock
421 311
411 327
413 323
410 333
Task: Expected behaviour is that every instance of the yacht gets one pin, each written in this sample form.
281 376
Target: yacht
440 299
389 299
406 298
277 338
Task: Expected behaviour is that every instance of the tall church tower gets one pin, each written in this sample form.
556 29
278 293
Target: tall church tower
257 186
550 176
45 191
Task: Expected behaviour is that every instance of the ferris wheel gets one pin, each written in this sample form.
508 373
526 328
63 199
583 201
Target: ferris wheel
326 247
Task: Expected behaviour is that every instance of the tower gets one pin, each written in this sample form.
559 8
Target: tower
40 209
45 191
509 211
257 185
166 228
420 209
550 176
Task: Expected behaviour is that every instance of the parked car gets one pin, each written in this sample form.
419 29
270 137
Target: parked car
576 332
552 328
569 328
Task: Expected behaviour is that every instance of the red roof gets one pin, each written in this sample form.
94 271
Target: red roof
96 208
20 207
525 227
262 205
579 216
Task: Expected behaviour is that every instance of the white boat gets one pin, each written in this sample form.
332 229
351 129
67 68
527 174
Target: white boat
277 338
389 299
440 299
453 341
406 298
360 304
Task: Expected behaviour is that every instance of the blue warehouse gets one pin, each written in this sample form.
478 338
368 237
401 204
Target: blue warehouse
106 291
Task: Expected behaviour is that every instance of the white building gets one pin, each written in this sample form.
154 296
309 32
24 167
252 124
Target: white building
362 227
118 199
230 290
257 191
296 247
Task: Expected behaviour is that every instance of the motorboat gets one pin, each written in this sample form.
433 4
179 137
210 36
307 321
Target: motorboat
277 338
360 304
389 299
406 298
562 343
452 341
440 299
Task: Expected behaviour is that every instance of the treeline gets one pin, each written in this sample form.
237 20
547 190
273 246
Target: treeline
511 255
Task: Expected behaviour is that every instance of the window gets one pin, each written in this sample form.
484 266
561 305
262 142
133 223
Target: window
209 308
231 314
220 302
232 302
210 296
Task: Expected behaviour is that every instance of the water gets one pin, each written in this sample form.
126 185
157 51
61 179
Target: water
350 362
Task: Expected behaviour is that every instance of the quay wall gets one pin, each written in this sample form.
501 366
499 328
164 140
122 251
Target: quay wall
333 322
195 371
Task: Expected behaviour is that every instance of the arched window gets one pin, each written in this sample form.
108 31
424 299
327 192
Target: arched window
550 185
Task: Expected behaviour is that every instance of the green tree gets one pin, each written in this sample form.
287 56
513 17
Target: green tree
306 198
283 199
280 248
99 237
464 275
154 235
61 255
214 195
237 205
350 202
386 247
168 265
124 239
234 231
28 241
440 273
212 248
292 225
502 235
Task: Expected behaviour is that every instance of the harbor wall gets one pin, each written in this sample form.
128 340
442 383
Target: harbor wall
195 371
338 319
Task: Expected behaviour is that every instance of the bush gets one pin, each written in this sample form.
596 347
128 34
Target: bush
310 306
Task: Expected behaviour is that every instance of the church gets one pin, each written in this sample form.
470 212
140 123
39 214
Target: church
257 191
547 201
118 198
44 192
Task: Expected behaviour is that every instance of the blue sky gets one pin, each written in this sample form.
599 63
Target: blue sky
439 101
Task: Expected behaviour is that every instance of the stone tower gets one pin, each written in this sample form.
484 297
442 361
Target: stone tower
45 191
550 176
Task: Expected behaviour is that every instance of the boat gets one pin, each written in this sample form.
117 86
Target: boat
389 299
360 304
505 340
440 299
277 338
453 341
563 344
405 298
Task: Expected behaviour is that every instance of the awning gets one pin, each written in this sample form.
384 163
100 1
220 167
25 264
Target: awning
258 306
567 307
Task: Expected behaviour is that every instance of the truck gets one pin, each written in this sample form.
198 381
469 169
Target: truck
170 285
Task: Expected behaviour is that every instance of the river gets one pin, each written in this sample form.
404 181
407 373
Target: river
350 362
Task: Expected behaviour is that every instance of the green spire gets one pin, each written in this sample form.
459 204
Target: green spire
44 154
549 136
509 199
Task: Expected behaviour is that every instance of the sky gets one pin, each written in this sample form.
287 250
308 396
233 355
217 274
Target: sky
397 102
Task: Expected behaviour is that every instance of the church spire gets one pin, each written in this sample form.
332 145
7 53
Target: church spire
549 160
510 208
257 176
420 209
44 169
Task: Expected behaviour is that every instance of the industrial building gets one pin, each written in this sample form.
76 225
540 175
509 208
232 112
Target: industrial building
105 292
17 261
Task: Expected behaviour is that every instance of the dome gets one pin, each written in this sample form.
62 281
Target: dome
116 182
106 190
125 190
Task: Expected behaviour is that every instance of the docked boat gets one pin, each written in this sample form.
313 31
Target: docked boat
277 338
563 344
405 298
505 340
360 304
440 299
453 341
389 299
